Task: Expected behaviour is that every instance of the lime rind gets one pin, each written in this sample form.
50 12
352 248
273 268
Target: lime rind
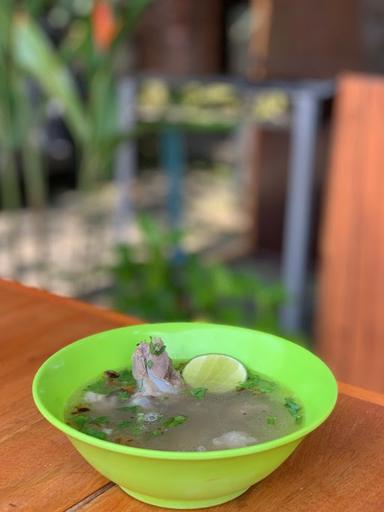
218 373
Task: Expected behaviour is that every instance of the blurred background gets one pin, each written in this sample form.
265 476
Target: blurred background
218 161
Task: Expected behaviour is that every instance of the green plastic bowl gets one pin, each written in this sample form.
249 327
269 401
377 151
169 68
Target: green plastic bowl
185 480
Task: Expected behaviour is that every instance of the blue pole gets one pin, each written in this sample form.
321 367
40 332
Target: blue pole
172 159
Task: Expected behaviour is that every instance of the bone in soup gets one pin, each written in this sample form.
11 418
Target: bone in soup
150 406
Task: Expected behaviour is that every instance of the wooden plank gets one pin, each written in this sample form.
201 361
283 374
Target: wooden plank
361 394
338 468
350 323
39 468
304 38
42 471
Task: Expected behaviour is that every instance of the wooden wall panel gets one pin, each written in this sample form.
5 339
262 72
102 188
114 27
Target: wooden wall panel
350 316
304 38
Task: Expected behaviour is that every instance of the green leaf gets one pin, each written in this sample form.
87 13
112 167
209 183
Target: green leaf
293 408
123 395
124 424
198 393
34 52
180 365
102 107
101 387
266 386
126 378
131 15
157 432
257 384
174 421
99 420
134 409
271 420
95 433
132 426
79 420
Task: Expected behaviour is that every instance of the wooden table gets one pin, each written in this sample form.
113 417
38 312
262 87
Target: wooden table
338 468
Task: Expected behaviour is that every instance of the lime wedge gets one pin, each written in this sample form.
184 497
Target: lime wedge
215 372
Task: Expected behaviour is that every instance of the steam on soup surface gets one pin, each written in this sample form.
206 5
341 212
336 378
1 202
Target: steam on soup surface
151 407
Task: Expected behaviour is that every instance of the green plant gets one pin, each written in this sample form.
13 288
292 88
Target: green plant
156 283
20 122
91 47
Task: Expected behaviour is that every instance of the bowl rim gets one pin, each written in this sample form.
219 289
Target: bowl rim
74 434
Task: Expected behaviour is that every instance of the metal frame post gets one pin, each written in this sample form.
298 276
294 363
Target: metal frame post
298 207
125 163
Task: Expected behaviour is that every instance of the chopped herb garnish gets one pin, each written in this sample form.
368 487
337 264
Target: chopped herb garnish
136 430
101 387
174 421
123 395
156 349
94 433
293 408
149 363
257 385
180 365
271 420
132 426
130 408
266 386
126 378
99 420
80 420
198 393
124 424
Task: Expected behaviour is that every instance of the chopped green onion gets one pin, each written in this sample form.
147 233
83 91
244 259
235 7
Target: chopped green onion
198 393
174 421
293 408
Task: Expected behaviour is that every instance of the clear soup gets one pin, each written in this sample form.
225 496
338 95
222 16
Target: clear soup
110 408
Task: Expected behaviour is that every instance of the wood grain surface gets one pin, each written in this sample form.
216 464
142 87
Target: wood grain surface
338 468
350 320
39 469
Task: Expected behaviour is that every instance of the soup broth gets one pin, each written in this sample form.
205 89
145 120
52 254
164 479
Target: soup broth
113 409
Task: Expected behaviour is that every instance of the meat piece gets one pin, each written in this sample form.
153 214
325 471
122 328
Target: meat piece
153 370
233 439
100 403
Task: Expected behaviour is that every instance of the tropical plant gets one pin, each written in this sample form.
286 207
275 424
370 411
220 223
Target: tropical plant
155 281
89 50
20 122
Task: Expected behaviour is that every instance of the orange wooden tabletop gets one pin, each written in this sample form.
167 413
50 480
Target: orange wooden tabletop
338 468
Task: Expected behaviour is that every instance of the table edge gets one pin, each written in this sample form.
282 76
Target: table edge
120 319
33 292
367 395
